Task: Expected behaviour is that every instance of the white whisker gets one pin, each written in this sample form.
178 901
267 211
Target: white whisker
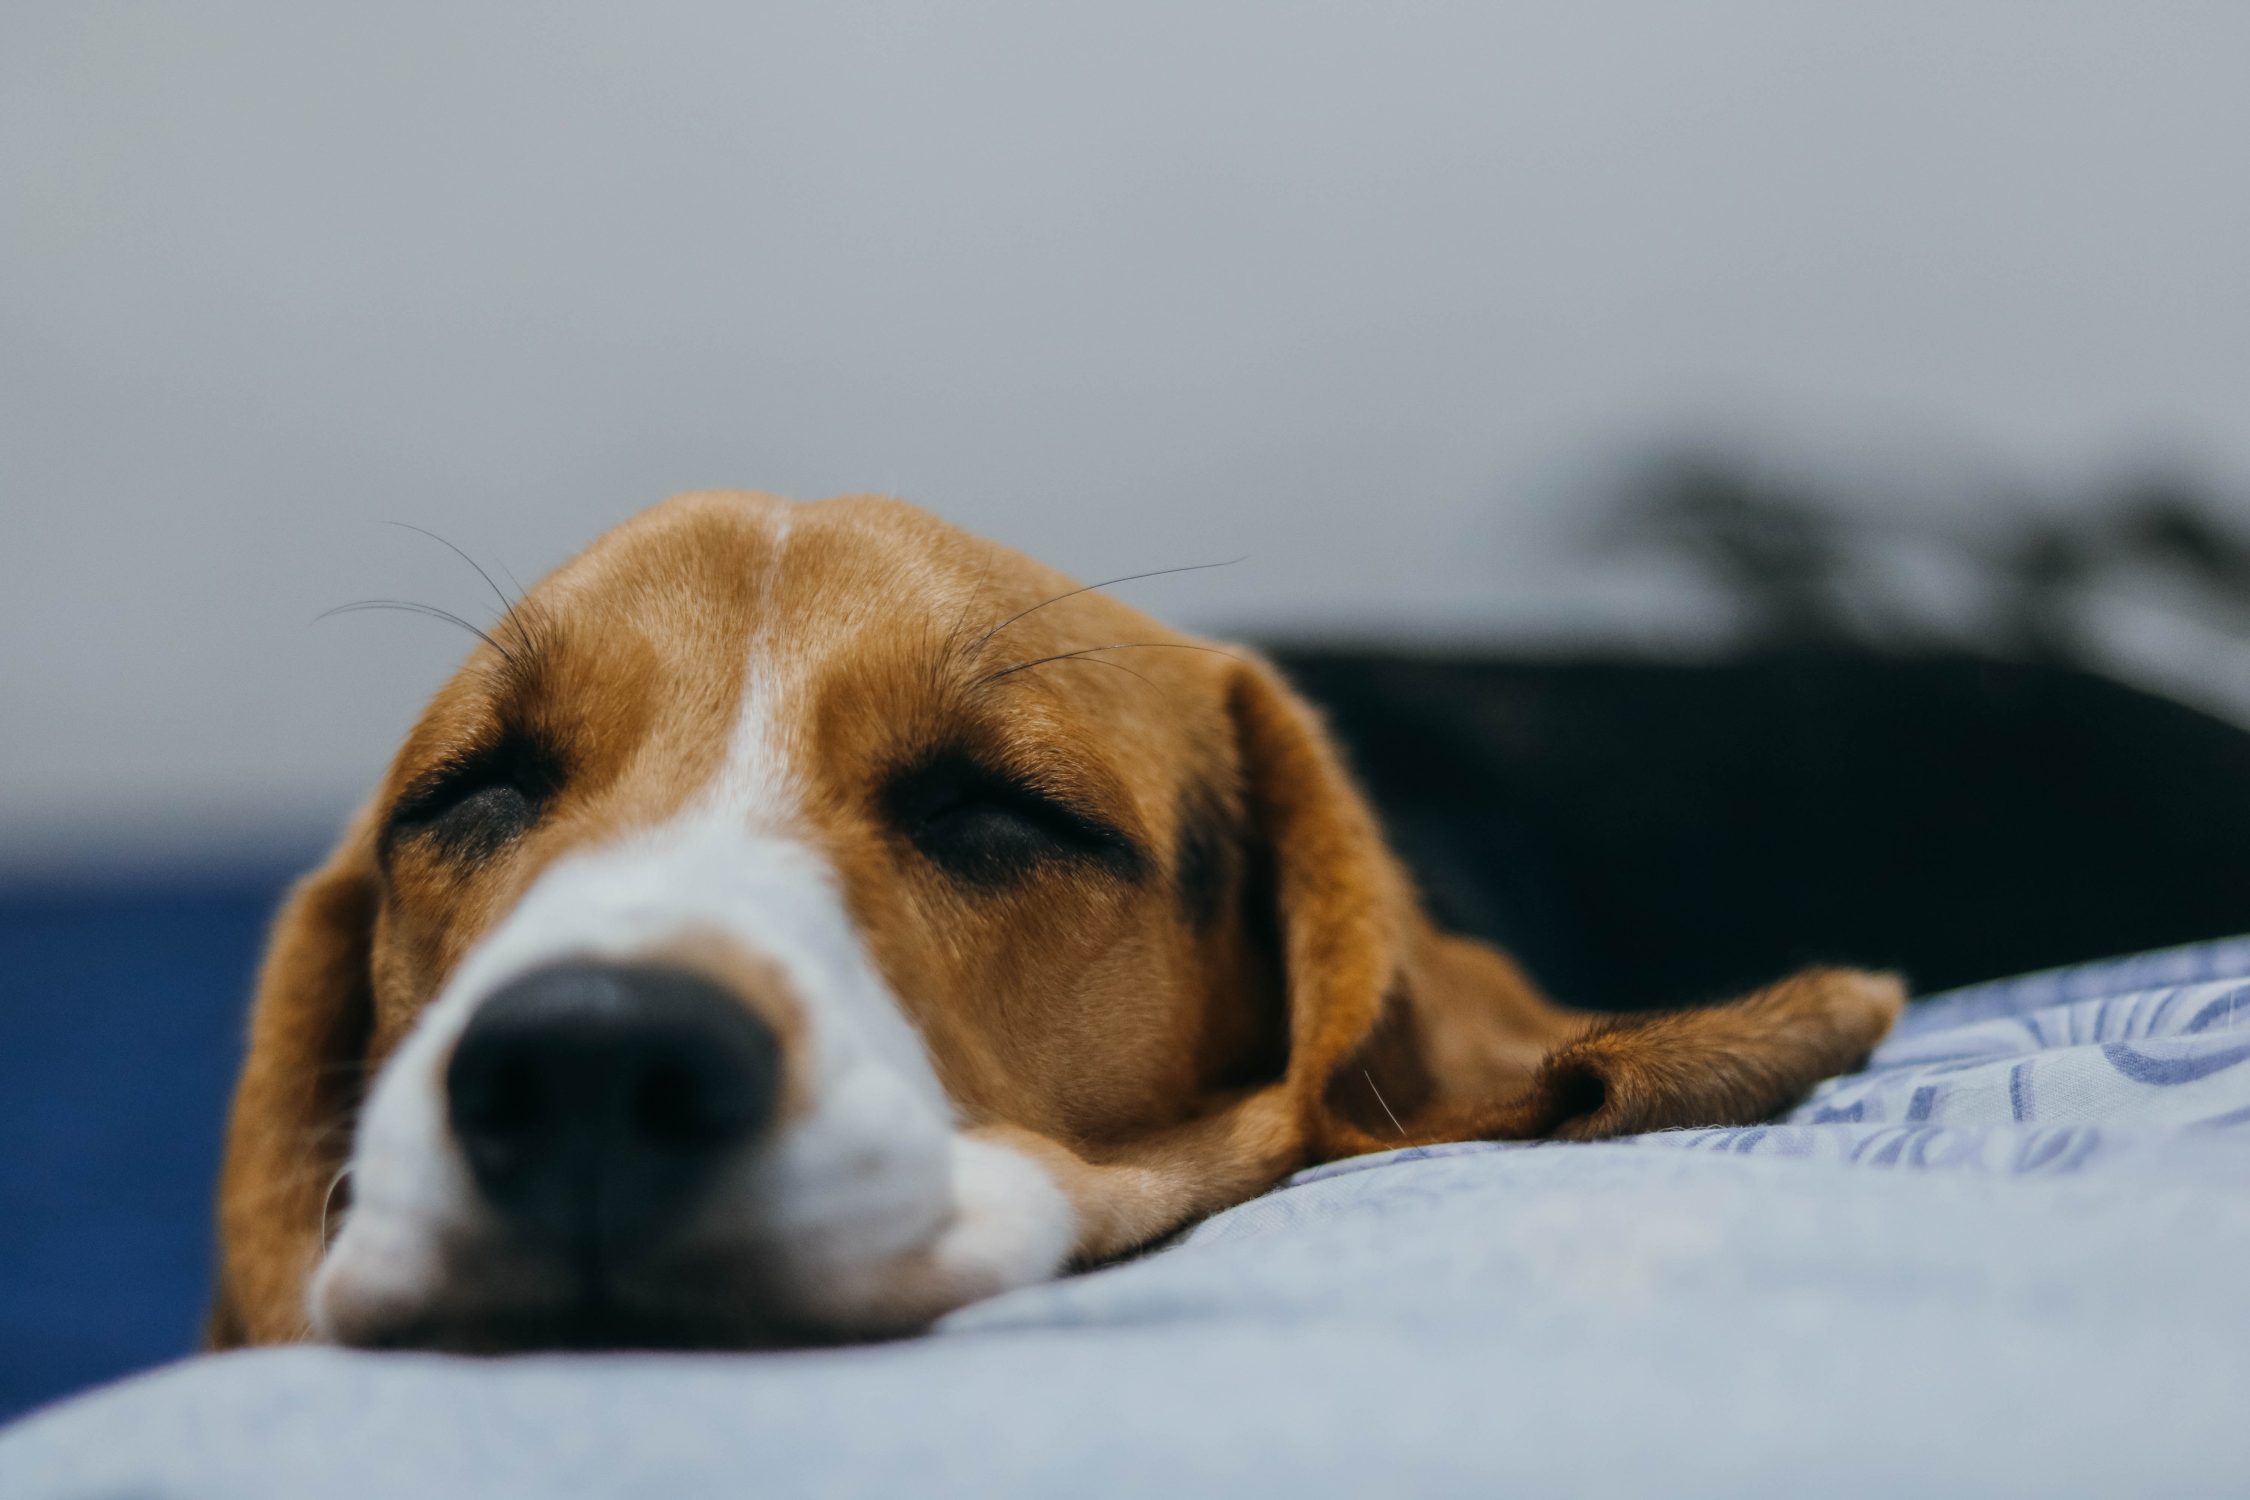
1379 1099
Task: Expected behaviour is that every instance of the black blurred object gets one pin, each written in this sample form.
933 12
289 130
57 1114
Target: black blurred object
1643 834
1848 786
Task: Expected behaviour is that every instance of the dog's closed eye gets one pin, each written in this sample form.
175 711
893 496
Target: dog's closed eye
982 826
472 807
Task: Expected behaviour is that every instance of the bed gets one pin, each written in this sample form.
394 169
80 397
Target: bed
2008 1257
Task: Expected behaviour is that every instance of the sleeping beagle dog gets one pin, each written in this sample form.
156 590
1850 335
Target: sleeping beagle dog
795 922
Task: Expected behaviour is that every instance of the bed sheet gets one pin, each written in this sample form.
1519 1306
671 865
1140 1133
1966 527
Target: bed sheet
2006 1258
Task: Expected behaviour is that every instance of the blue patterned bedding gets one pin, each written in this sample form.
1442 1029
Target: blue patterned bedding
2142 1061
2007 1258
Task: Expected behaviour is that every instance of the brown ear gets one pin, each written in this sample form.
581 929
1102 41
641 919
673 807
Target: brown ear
1393 1026
1400 1034
289 1131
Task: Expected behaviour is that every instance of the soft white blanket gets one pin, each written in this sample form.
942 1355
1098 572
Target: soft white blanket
2012 1257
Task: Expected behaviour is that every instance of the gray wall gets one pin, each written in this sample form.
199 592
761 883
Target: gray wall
1375 293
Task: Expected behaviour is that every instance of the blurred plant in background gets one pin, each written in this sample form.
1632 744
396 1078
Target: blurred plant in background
1807 564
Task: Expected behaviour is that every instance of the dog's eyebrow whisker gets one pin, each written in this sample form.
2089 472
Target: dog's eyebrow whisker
508 609
957 642
408 606
1078 656
983 639
1087 653
505 604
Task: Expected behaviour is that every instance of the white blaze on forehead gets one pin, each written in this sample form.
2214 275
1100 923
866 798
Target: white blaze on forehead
755 784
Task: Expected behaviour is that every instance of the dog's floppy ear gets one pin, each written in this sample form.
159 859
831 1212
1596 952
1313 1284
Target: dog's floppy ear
289 1132
1400 1034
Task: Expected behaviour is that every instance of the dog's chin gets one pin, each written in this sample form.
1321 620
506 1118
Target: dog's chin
507 1302
583 1325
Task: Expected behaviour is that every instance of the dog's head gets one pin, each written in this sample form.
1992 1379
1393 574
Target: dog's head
801 920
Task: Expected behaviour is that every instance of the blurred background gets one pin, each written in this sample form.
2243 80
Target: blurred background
1407 304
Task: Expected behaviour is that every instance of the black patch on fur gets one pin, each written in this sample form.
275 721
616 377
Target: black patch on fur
1204 855
1263 924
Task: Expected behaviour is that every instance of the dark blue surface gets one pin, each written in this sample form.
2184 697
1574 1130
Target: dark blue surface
121 1017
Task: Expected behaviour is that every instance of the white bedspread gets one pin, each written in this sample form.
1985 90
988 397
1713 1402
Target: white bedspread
2012 1257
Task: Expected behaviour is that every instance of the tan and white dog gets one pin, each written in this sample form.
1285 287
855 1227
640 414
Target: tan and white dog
799 921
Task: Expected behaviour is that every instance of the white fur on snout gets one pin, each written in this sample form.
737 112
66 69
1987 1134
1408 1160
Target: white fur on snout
1009 1226
867 1212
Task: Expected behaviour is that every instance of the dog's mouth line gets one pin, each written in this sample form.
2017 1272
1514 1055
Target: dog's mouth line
590 1321
506 1297
490 1290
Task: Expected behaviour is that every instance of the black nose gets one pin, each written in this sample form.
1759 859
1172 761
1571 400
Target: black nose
595 1101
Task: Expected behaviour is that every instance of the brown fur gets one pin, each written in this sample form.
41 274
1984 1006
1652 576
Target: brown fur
1264 994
